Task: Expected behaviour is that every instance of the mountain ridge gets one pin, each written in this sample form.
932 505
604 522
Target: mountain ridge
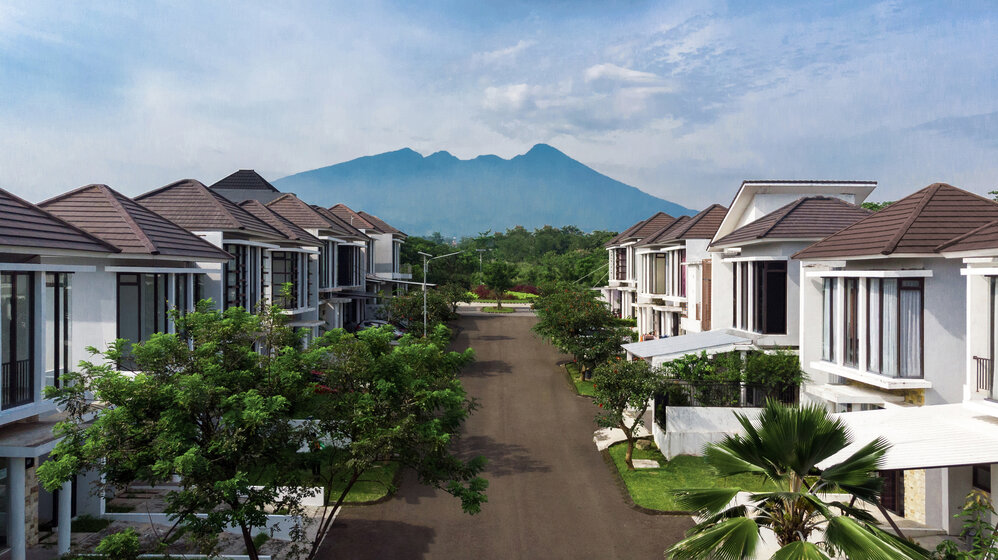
441 192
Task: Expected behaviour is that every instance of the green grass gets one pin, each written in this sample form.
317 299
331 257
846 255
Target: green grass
375 484
498 310
89 524
115 508
582 387
651 488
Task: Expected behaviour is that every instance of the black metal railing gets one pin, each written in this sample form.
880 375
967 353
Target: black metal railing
985 373
17 383
732 394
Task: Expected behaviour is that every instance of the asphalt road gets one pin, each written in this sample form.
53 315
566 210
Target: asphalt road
550 493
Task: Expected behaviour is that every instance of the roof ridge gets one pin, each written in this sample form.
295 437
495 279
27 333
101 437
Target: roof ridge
694 220
132 224
52 216
789 208
892 244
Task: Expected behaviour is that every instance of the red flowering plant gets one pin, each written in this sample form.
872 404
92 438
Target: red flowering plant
629 387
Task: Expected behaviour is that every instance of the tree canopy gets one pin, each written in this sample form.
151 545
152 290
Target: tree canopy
577 322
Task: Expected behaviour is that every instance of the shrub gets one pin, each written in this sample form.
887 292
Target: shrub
527 289
775 370
120 546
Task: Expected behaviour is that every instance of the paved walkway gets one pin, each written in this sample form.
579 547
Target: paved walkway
550 495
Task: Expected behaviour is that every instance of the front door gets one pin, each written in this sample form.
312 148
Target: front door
892 496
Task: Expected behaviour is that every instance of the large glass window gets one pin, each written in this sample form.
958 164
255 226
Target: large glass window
58 319
345 267
874 301
285 270
142 304
851 322
17 331
660 275
764 284
236 281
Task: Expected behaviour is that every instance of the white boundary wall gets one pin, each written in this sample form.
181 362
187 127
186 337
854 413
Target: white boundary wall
690 429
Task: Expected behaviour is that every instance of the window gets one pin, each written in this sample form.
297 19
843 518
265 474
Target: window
243 276
893 336
828 321
17 330
982 477
851 322
142 304
660 274
621 264
58 318
285 270
681 272
764 284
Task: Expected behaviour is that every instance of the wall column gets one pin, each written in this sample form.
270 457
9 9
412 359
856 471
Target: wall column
16 520
65 516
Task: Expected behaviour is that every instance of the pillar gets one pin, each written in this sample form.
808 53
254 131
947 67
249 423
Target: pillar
65 516
15 521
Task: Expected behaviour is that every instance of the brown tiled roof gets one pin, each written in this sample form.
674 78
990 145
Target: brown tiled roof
703 225
665 233
191 205
279 222
245 179
918 223
644 228
22 224
127 225
350 230
984 237
812 217
349 216
303 215
378 223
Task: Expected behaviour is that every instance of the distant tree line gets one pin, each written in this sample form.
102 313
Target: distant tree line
545 255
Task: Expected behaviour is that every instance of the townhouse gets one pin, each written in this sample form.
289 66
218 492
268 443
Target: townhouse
674 274
79 270
621 289
269 254
894 334
746 268
386 273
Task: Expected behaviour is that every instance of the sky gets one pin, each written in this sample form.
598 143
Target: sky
683 100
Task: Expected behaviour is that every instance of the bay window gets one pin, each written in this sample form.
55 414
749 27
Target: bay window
764 284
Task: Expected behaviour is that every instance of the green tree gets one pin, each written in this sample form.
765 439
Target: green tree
785 449
454 294
578 323
622 386
406 310
877 206
499 277
402 403
977 530
207 407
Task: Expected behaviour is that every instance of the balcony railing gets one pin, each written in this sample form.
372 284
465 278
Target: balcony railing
17 383
733 394
985 373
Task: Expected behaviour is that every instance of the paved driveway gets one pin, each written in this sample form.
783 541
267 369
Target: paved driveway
550 493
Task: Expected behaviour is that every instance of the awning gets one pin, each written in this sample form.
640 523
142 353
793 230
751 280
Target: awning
306 324
358 295
925 437
665 349
852 394
30 439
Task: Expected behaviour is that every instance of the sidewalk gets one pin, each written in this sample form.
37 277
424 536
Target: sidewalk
605 437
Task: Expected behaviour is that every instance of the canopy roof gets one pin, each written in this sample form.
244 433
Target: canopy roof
671 347
925 437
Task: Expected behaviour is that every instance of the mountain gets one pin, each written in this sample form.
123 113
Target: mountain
440 192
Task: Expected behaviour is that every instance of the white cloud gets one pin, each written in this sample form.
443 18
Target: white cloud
506 55
608 71
506 98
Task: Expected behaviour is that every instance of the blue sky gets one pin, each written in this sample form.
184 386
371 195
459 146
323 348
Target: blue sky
681 99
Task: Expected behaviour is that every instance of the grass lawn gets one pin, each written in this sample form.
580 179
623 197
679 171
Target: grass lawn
375 484
582 387
498 310
651 488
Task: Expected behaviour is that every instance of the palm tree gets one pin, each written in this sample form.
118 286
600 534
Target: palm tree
785 449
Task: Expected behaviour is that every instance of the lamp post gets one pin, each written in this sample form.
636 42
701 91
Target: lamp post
426 270
480 251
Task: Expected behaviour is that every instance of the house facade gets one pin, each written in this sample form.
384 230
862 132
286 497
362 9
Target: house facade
894 310
79 270
622 286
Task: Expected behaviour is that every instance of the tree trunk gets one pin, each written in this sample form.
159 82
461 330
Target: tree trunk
630 450
248 541
498 299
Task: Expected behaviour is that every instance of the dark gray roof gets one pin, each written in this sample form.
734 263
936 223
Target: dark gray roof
191 205
244 179
279 222
127 225
812 217
22 224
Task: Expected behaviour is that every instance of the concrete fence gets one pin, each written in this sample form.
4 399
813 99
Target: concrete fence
690 429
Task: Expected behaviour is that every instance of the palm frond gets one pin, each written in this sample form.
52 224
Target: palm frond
705 501
733 539
866 542
799 550
857 473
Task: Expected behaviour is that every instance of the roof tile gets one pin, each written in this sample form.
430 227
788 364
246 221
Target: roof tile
805 218
193 206
22 224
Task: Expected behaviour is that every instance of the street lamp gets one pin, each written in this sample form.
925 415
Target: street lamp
426 269
480 251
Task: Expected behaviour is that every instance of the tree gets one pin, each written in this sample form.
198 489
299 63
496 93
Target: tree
454 294
877 206
206 407
578 323
785 449
499 277
402 403
620 386
406 310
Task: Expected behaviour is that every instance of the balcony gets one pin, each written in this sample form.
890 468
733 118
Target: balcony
870 378
985 374
387 271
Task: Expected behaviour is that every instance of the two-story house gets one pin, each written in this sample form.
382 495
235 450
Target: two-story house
884 330
621 289
674 275
79 270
